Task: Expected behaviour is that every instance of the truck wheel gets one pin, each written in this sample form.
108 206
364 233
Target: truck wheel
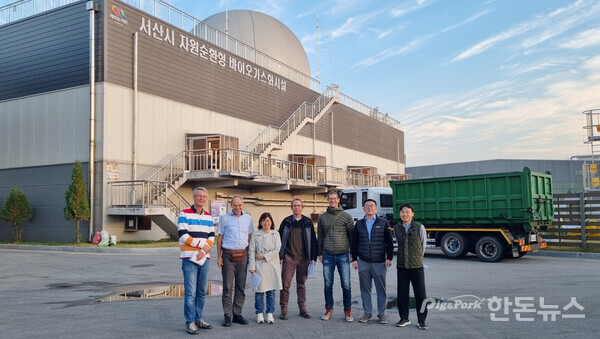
454 245
490 249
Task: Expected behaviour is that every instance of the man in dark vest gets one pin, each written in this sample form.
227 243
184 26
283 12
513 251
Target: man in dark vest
372 253
411 237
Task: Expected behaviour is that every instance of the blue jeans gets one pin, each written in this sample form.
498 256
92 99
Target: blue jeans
195 278
342 262
259 301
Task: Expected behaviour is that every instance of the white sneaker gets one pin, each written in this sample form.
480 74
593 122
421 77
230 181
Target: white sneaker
260 319
270 319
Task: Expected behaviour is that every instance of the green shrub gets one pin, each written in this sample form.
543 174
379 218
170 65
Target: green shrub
16 210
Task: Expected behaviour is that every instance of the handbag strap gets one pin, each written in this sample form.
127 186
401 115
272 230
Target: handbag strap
331 224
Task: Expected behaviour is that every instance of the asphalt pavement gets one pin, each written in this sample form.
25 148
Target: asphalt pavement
57 292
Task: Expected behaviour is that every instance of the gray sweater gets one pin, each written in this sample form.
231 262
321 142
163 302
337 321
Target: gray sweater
335 238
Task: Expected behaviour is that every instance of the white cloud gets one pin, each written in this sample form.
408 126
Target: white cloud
354 24
497 123
490 42
593 63
406 8
348 27
549 25
584 39
388 53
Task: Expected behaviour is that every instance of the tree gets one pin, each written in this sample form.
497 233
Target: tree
78 205
16 210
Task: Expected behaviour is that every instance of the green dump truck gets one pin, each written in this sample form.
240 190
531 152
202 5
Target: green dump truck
492 215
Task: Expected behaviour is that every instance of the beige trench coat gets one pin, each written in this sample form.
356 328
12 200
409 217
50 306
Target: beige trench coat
268 269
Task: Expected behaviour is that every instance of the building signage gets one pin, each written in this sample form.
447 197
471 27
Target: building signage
118 15
112 171
218 208
194 47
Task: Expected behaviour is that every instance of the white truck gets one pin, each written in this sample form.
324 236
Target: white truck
352 200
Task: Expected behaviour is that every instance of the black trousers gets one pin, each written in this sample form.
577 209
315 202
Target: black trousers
416 277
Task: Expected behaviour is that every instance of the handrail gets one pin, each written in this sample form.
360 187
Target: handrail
229 161
170 168
277 135
145 194
253 165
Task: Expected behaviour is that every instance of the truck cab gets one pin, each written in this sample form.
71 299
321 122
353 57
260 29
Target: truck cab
352 200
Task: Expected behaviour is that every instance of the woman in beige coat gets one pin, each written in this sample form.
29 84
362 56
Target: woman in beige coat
263 260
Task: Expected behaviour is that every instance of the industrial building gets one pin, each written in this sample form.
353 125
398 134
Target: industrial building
162 103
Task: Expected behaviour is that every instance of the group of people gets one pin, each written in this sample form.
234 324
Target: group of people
274 257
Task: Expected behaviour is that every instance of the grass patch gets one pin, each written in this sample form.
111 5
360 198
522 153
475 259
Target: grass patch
120 244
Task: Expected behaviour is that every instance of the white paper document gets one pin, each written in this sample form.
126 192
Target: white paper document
200 262
255 280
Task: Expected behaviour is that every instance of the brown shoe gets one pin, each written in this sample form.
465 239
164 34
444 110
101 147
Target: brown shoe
283 316
305 314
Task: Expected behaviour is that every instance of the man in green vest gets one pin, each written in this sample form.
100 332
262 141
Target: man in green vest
411 237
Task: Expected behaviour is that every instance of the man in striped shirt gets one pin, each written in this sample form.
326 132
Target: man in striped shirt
196 237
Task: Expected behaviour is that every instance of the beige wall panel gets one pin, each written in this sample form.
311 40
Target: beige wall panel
162 126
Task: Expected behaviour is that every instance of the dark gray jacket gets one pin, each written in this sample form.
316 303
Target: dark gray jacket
311 247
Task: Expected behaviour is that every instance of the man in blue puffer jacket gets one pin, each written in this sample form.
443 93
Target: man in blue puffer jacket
372 253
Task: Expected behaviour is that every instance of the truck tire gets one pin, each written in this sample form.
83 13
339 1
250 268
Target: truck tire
454 245
490 249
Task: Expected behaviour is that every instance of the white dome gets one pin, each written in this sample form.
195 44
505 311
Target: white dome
265 34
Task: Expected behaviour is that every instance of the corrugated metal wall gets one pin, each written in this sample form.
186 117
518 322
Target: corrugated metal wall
45 52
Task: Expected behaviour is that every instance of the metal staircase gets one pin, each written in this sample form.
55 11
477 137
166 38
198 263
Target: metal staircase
155 197
273 137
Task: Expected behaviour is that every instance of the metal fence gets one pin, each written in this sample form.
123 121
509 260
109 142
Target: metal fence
577 220
146 194
252 165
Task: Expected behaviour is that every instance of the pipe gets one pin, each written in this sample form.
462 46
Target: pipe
135 106
91 8
332 145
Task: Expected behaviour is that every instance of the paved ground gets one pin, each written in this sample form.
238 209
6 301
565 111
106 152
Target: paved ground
53 294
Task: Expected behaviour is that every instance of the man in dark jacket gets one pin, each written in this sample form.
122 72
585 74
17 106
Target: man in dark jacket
299 249
372 252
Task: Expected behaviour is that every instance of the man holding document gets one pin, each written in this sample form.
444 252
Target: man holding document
298 252
196 237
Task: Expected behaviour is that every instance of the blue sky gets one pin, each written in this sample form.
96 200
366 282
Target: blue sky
468 80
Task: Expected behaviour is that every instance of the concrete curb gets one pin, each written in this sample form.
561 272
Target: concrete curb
119 250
